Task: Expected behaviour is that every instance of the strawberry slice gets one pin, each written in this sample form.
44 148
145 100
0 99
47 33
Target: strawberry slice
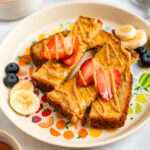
61 51
70 61
101 85
104 85
60 47
87 73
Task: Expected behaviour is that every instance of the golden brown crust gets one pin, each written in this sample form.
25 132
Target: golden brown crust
42 84
64 111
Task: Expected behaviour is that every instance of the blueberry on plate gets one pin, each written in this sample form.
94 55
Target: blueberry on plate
145 59
11 79
12 68
141 50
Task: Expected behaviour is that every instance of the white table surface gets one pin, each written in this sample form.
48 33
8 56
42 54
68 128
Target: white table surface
138 141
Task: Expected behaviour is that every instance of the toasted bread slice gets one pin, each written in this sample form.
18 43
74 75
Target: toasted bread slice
73 101
54 73
112 114
36 49
111 118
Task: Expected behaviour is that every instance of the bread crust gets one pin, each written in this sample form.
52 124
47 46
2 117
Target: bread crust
42 84
64 111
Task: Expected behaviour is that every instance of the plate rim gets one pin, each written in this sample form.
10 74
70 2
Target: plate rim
67 145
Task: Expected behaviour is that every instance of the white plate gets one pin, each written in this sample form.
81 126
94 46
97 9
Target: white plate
60 17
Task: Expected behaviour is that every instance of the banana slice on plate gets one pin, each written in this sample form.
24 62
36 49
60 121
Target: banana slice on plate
24 102
125 32
22 85
138 40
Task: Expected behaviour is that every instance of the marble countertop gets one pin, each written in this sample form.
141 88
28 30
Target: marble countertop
137 141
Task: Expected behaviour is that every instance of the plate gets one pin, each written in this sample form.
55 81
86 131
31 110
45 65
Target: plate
15 47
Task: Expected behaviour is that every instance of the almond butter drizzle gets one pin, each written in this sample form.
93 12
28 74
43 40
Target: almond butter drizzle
82 78
56 49
107 54
89 91
116 106
75 30
103 113
46 51
94 72
112 47
76 93
128 55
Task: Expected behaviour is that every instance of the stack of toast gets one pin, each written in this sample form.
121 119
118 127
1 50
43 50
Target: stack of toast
72 100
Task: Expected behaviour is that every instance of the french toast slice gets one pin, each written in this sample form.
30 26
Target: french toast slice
54 73
36 49
72 101
112 114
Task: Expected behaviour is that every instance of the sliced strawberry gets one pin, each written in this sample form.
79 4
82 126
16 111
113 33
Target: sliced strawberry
87 73
70 61
104 84
61 51
108 84
101 85
52 45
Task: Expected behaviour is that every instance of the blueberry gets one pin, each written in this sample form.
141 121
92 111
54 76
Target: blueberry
145 59
141 50
11 79
12 68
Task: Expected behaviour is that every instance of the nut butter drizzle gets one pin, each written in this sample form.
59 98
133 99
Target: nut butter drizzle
56 49
113 49
116 106
82 78
103 113
128 55
76 93
94 72
46 51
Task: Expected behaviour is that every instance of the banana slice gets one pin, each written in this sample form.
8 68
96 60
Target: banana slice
24 102
22 85
125 32
138 40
